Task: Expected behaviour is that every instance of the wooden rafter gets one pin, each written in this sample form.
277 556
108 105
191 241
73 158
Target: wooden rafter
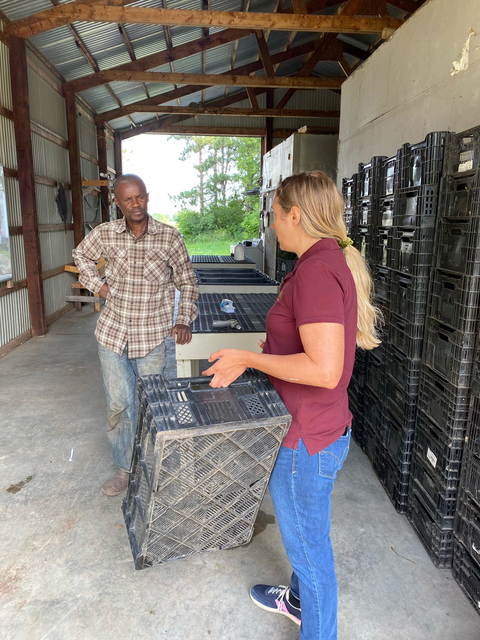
226 111
67 13
208 80
245 8
264 53
245 69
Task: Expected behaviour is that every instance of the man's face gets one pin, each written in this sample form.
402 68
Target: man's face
132 198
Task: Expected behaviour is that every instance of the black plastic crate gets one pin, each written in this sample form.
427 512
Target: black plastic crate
404 371
438 543
422 163
370 181
467 573
360 366
458 245
455 300
472 437
349 191
399 438
409 296
412 250
395 482
439 501
462 152
370 444
375 374
476 371
285 266
385 212
381 278
444 404
358 423
467 524
449 352
381 240
416 207
442 456
363 241
405 336
374 415
471 475
460 197
400 404
367 211
201 464
390 175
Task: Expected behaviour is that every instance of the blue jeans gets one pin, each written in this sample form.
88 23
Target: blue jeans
120 380
301 487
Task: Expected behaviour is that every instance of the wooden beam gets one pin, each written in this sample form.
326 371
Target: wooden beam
197 130
264 53
345 67
75 170
6 113
253 98
224 80
102 168
67 13
269 123
26 182
283 56
200 110
163 57
42 228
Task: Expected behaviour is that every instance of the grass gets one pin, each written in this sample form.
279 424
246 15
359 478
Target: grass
208 246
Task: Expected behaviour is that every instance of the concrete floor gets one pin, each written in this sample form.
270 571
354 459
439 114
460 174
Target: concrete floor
66 570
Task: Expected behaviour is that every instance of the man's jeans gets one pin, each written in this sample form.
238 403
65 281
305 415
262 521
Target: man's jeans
301 487
120 380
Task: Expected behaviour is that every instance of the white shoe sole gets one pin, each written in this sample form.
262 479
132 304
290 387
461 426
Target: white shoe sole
283 613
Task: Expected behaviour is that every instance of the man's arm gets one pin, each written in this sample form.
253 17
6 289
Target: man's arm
185 281
86 255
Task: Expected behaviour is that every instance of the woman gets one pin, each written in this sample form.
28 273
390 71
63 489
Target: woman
323 310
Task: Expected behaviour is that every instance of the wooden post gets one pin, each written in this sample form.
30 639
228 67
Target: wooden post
102 168
75 169
118 155
26 183
269 123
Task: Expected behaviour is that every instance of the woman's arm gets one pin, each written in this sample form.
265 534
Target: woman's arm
320 366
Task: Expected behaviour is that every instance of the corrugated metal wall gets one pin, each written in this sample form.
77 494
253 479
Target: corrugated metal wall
87 136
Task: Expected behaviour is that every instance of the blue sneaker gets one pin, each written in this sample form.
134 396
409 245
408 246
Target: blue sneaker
275 600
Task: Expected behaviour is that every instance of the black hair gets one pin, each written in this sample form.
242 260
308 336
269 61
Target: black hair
127 178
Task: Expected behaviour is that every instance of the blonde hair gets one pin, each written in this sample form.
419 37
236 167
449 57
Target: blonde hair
321 205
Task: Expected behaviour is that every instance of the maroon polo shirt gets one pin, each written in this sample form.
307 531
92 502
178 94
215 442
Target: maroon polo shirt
320 289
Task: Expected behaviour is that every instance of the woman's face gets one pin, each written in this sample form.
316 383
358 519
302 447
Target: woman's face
281 226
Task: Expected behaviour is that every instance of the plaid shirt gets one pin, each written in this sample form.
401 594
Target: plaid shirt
141 274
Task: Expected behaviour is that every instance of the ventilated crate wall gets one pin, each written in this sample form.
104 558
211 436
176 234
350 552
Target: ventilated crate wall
201 465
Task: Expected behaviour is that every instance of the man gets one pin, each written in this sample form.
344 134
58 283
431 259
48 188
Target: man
145 261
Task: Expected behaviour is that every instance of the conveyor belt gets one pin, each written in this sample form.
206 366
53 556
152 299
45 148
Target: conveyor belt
232 276
219 259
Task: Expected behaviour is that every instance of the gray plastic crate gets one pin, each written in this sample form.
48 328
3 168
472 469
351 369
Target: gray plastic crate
201 465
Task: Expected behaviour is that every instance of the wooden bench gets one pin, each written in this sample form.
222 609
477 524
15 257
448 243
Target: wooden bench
78 300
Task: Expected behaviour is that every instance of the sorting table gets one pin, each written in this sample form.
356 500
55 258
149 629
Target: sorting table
235 280
229 262
250 311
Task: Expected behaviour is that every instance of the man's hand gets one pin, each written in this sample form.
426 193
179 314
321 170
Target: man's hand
183 333
103 291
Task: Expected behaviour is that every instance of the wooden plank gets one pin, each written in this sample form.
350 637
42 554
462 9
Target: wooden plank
278 58
225 80
163 57
75 170
85 299
67 13
20 284
102 168
23 140
10 173
44 75
16 342
253 98
51 183
227 111
88 157
6 113
95 183
198 130
42 228
264 53
49 135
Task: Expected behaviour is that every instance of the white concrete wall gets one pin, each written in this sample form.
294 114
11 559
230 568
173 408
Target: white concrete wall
409 86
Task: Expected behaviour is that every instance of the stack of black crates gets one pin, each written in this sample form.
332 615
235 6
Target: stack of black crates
466 543
450 337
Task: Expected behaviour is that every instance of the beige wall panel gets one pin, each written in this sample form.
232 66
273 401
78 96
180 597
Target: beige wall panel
5 90
409 86
50 160
55 289
14 315
47 106
8 152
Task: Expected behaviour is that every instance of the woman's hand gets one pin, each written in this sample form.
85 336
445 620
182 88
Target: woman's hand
229 365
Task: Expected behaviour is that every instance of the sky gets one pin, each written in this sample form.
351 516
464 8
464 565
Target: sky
155 159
